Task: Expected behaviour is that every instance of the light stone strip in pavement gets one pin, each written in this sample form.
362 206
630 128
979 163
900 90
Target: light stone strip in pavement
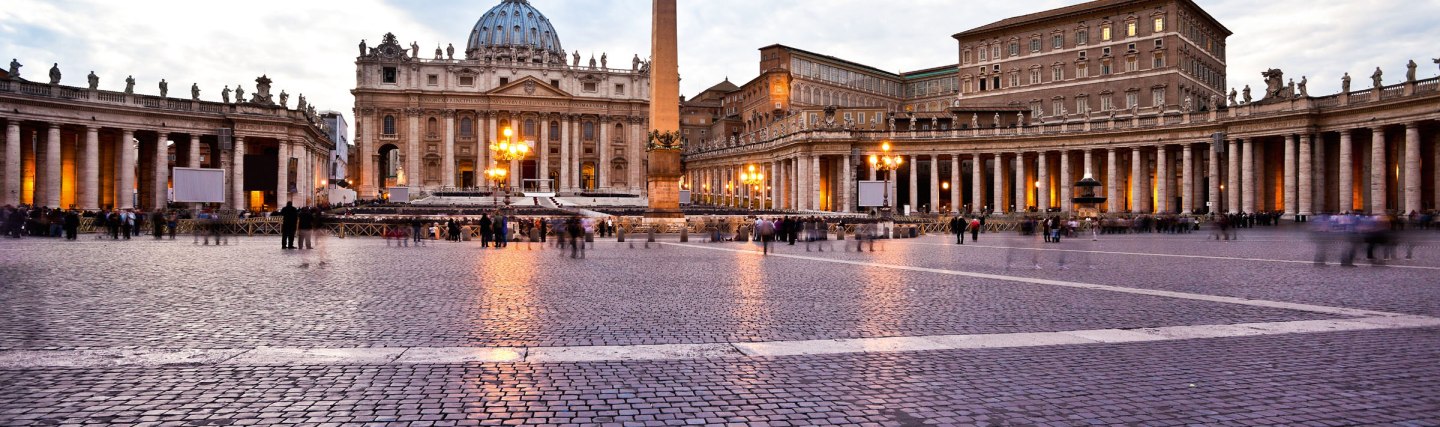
1216 257
288 356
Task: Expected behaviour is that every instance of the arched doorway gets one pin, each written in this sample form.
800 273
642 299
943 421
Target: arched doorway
389 166
467 174
587 176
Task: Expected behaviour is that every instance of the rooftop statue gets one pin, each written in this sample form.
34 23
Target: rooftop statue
129 84
15 68
225 95
1232 97
1410 71
164 88
1377 77
94 80
55 73
1345 83
284 98
1246 94
602 60
194 91
1304 93
362 47
450 50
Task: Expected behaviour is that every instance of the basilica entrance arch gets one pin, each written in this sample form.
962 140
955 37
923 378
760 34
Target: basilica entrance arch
389 165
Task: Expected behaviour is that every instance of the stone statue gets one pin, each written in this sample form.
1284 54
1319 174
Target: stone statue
239 94
997 120
974 120
262 91
602 60
284 98
414 50
225 94
1304 93
15 68
1186 107
592 60
439 54
1377 77
1274 83
1232 97
1020 118
194 91
55 73
1246 94
450 50
1345 83
129 84
94 80
635 63
1210 105
301 104
164 88
1290 88
576 58
362 47
1410 72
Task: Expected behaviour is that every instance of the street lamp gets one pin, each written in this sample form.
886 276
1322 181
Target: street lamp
497 175
752 179
886 163
506 150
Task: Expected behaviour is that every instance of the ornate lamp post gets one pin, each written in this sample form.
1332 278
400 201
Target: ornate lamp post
752 179
506 151
886 163
497 176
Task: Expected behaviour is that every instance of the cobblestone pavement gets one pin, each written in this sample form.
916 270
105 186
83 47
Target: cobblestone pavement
145 295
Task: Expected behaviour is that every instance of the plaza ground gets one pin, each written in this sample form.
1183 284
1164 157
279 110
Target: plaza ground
1156 329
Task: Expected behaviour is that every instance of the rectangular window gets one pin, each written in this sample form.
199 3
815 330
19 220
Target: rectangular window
1105 33
1131 64
1082 37
966 87
983 54
1014 79
619 89
504 81
591 87
1082 71
1057 74
965 59
388 75
995 52
1159 24
1056 106
1057 41
1131 100
1034 76
432 80
1159 61
467 80
995 82
1105 67
1082 54
1034 45
1130 29
1105 51
1014 48
1157 97
1159 43
1082 105
1106 104
555 84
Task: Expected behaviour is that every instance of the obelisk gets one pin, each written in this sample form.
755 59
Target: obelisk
664 142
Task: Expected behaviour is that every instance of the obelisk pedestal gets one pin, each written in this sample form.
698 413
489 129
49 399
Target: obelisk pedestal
664 143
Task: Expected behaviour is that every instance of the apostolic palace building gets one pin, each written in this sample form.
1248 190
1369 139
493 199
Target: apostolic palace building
427 121
1130 92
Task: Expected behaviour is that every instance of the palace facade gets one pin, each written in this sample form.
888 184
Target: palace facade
1129 92
428 122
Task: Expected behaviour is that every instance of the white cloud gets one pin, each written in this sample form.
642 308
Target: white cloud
309 47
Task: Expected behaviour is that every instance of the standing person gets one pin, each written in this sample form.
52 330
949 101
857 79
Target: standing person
416 231
485 230
573 229
72 225
112 223
976 226
289 219
502 231
172 221
127 224
957 226
157 223
306 223
544 227
766 232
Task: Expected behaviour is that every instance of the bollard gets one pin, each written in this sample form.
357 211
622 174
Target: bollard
620 235
684 234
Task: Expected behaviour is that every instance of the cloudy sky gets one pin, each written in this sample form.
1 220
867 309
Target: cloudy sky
309 46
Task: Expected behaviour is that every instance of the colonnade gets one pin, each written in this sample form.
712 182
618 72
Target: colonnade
1383 168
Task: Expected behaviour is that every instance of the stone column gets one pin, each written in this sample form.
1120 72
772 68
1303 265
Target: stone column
815 183
369 185
802 185
1042 177
602 151
12 162
1021 191
914 183
1065 182
1112 182
977 183
956 204
894 189
565 154
1247 176
90 170
1162 179
1377 171
998 195
1187 179
1412 169
125 193
237 176
1320 202
447 163
52 166
1233 178
1304 177
543 160
773 175
162 172
934 183
847 185
413 178
1137 184
1213 177
1290 185
282 172
1346 174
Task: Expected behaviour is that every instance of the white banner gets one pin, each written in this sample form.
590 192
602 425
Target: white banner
399 195
872 193
195 185
684 197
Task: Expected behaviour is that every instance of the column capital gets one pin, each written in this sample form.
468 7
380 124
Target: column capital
1412 125
56 125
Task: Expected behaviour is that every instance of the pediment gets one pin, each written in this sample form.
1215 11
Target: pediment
530 86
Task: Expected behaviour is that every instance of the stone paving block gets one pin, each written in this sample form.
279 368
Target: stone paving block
638 352
442 355
321 356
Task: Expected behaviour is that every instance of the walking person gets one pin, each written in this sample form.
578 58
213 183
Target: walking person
485 230
958 226
306 223
765 230
289 219
573 231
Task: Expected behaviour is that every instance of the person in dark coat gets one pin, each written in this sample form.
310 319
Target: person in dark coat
485 230
289 219
307 223
957 226
72 225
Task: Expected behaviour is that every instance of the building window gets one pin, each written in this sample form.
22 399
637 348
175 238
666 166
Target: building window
432 127
389 125
1131 99
554 131
1105 33
983 54
1159 43
1159 61
1034 75
1131 64
1014 48
388 75
590 87
1159 24
1034 45
1157 97
965 86
530 130
467 80
588 131
995 82
467 127
504 81
1057 73
432 80
1056 106
1106 104
1057 41
619 89
1082 70
1082 105
1105 67
555 84
965 58
1082 37
1014 79
1130 29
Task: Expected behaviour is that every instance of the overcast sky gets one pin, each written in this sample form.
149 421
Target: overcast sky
309 46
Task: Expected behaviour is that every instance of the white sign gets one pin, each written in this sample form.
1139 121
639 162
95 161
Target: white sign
399 195
196 185
684 197
872 193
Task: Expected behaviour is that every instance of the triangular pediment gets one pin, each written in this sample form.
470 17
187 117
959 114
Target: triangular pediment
530 86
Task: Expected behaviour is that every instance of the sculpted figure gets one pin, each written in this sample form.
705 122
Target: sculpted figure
15 67
94 80
1187 105
239 94
1410 72
225 94
1303 91
592 61
450 50
1345 83
602 60
129 84
997 120
362 47
439 53
164 88
974 120
1020 118
301 104
1232 97
1290 89
194 91
635 63
576 58
1210 106
55 73
414 50
1246 94
1376 78
284 97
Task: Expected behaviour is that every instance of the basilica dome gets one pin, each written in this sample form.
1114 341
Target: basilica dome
513 30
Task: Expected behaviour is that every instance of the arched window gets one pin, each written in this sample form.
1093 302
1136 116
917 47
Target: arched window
554 131
530 131
588 131
467 127
389 125
432 126
619 132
